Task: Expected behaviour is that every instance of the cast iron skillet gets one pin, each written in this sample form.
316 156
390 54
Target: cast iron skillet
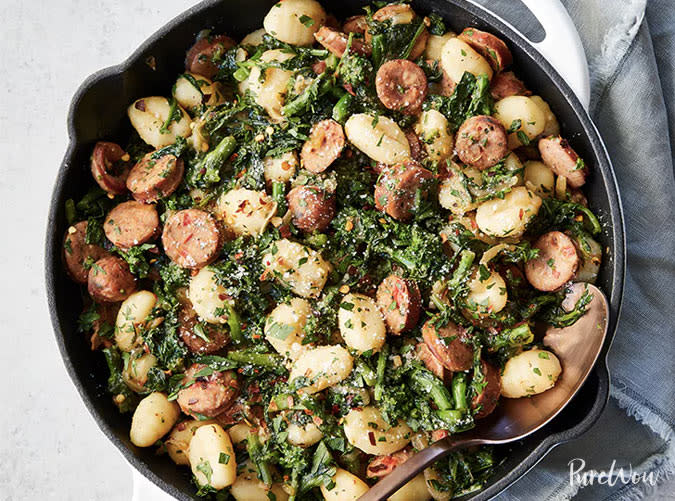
98 112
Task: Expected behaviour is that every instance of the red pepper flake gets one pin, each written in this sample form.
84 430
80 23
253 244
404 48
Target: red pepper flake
521 214
371 437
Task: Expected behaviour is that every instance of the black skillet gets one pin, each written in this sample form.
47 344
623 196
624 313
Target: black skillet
97 113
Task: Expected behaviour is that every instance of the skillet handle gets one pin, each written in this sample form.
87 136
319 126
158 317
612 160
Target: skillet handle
145 490
562 46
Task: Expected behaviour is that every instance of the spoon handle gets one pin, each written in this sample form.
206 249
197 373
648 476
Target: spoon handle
403 473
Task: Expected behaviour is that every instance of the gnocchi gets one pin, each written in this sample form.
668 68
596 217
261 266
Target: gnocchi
246 212
380 138
284 328
209 299
295 21
367 430
487 294
158 122
247 486
323 366
520 115
458 56
212 458
433 130
531 372
347 487
539 178
434 48
281 169
153 418
508 216
131 318
361 323
178 442
300 268
192 91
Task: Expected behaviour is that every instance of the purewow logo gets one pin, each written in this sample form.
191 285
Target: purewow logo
580 477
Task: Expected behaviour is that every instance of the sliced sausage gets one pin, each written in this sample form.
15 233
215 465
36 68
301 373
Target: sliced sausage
481 142
381 466
556 263
506 84
131 223
489 46
417 151
447 85
199 58
110 280
311 207
78 255
400 303
563 160
110 167
355 24
397 188
336 42
324 145
201 338
450 344
207 392
429 360
151 178
486 401
401 85
402 14
192 238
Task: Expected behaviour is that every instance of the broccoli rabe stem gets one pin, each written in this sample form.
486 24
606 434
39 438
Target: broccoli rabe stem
235 326
466 258
342 108
459 390
279 196
381 366
509 338
316 89
254 448
434 387
208 169
268 360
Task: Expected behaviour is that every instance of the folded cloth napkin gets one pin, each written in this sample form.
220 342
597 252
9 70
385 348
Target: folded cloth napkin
630 46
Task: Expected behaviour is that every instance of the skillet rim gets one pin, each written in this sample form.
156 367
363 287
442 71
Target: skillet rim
609 184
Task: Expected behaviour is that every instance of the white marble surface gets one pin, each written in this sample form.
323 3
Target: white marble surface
51 447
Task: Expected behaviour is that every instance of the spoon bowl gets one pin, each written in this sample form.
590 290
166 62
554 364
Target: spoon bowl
576 346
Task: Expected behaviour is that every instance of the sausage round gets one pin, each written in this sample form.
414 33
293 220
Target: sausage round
131 223
489 46
430 360
209 392
481 142
199 58
109 168
417 152
191 238
355 24
381 466
110 280
151 179
396 189
323 147
78 254
563 160
449 344
486 401
401 85
336 42
311 207
188 324
400 302
506 84
556 263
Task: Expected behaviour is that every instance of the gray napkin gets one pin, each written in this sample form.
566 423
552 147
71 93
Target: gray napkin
630 46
